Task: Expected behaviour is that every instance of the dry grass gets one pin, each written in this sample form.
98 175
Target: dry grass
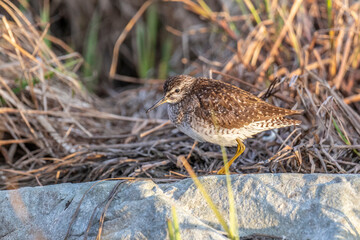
53 131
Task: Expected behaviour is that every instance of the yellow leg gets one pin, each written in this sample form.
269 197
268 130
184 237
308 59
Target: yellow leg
239 151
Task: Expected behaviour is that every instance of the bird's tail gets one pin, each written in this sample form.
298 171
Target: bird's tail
284 122
296 112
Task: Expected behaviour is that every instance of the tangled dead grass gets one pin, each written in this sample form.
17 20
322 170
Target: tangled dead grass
53 131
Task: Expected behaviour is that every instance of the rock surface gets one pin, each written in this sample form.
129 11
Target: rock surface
286 206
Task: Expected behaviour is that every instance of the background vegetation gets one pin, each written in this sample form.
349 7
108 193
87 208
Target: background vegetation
76 77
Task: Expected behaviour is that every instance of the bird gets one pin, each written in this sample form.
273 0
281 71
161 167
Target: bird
214 111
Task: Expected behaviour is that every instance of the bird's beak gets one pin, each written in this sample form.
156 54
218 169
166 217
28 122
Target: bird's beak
158 103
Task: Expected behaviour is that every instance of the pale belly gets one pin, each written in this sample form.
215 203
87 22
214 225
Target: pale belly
221 136
226 138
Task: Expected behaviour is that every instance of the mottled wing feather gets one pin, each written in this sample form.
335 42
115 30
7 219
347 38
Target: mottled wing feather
231 107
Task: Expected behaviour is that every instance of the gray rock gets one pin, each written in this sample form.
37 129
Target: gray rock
289 206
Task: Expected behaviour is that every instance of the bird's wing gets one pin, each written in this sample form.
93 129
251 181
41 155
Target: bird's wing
228 106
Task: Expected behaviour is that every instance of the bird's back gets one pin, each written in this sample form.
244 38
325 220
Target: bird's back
231 107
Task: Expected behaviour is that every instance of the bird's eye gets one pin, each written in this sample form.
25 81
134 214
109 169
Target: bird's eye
177 90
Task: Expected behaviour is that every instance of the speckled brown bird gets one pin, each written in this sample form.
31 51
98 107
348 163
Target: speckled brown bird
213 111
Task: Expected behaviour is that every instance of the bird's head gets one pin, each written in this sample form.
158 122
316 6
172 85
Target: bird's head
175 89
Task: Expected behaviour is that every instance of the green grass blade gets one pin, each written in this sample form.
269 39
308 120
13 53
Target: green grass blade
204 6
91 56
152 35
253 11
329 12
146 38
232 205
173 226
90 48
141 54
170 229
208 199
152 23
342 136
293 39
244 11
165 58
268 9
242 7
45 19
175 223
